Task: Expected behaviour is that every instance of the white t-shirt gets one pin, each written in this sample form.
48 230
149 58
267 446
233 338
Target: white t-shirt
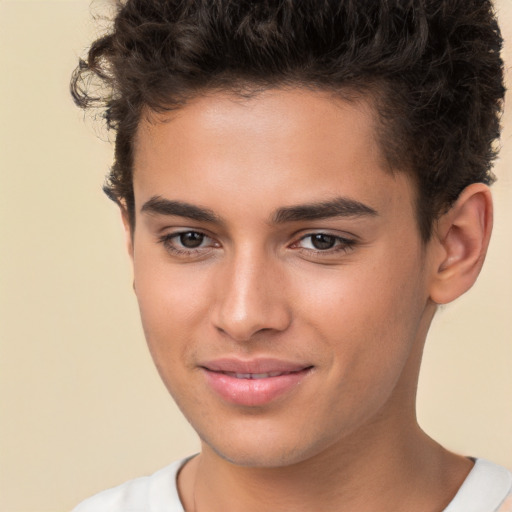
487 488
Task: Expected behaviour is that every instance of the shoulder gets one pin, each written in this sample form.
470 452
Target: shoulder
487 488
153 493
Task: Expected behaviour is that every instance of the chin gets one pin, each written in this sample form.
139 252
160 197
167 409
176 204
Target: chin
265 451
259 458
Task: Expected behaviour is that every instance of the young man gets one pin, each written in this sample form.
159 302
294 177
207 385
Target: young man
302 184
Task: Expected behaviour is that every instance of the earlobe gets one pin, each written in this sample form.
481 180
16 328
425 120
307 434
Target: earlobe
463 235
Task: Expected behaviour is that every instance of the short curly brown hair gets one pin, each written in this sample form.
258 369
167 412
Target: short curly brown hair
431 67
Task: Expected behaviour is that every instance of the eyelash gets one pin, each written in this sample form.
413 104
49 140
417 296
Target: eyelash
167 241
342 244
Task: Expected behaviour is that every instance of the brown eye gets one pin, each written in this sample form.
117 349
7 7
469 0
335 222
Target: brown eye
321 241
324 244
188 244
191 239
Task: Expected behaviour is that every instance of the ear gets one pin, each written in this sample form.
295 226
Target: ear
128 231
462 236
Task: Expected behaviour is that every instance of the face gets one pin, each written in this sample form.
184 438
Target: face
280 273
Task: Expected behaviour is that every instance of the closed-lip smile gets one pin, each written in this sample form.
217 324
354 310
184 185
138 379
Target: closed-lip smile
254 382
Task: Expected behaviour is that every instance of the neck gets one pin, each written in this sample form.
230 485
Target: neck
412 473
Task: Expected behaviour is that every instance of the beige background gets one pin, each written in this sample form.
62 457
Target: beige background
81 405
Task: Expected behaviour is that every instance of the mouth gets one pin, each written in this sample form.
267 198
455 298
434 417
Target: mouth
256 376
253 383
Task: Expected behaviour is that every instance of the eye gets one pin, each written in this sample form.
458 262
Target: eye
187 243
191 239
321 241
324 243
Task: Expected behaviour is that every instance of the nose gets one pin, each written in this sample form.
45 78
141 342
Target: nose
250 298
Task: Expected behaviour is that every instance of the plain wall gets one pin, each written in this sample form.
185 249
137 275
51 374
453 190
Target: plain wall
82 407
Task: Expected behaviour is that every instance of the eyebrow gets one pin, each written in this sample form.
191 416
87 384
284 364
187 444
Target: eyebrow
338 207
160 206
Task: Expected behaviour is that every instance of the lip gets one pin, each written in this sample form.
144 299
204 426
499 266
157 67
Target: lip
254 382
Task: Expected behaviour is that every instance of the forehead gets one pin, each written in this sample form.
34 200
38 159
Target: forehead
286 146
270 118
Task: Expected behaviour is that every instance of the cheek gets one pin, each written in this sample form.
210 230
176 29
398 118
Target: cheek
173 303
369 315
362 295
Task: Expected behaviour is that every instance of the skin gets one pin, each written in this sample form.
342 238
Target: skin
356 314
